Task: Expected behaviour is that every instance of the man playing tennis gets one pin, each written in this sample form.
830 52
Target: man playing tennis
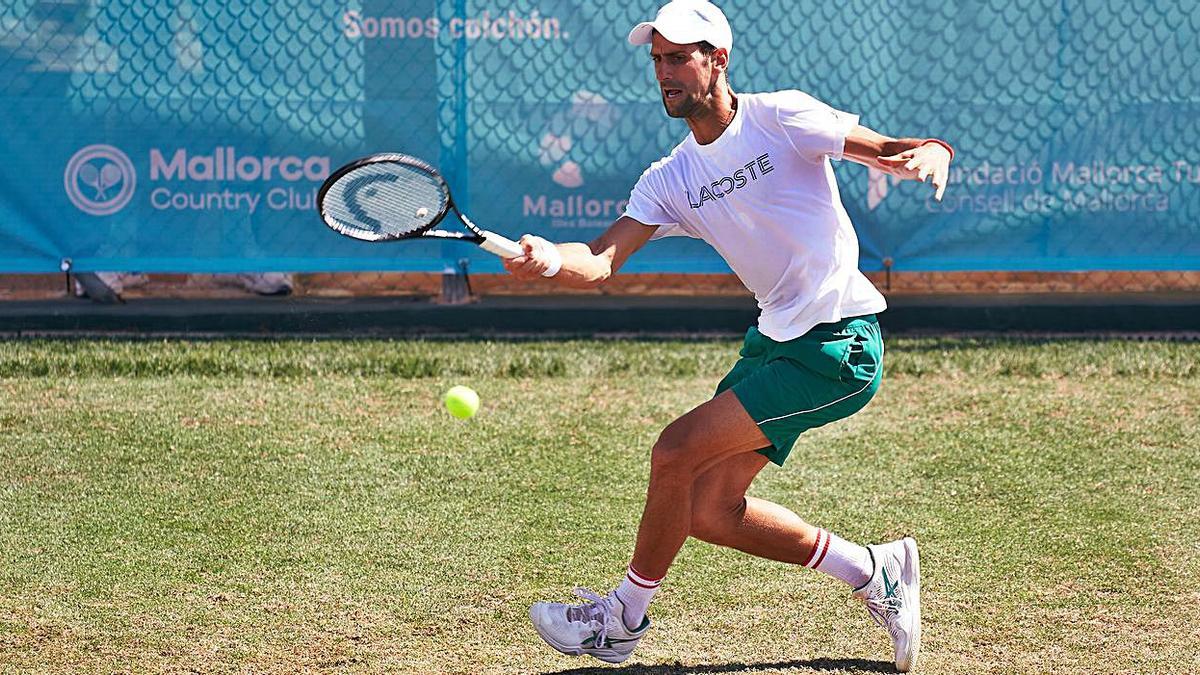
754 180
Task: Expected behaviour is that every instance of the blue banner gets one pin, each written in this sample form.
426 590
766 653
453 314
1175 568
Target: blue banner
192 136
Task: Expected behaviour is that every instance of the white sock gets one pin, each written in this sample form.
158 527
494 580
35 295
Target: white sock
635 593
841 559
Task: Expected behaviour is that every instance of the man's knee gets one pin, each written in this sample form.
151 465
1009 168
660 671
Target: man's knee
713 518
677 449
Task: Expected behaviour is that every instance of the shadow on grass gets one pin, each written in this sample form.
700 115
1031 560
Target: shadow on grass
819 665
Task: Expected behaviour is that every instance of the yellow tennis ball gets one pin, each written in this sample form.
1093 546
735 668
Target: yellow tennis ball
462 402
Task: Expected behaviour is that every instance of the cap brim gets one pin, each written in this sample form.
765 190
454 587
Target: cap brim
642 34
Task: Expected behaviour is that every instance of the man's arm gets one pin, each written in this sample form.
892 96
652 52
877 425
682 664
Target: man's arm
909 158
583 265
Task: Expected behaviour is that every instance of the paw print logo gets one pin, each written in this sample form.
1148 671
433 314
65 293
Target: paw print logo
552 152
590 113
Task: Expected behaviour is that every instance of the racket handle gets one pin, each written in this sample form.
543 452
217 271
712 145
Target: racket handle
499 245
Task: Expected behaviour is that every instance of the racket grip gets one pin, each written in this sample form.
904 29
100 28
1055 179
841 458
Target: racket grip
499 245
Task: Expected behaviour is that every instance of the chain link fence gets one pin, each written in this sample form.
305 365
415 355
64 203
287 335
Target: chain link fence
183 140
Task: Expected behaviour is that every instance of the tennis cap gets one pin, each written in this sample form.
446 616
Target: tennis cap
685 22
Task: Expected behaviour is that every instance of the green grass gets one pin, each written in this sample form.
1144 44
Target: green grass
308 506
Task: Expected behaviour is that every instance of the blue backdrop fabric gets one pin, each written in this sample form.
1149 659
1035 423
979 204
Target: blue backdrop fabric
192 136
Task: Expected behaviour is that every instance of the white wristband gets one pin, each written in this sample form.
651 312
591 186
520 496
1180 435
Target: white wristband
555 261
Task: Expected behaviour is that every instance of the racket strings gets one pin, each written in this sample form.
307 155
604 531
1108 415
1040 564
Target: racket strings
384 200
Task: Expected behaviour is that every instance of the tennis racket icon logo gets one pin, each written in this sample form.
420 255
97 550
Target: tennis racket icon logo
108 176
99 180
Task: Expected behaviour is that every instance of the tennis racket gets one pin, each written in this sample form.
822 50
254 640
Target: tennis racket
390 196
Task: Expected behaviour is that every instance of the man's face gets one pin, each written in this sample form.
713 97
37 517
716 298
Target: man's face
686 77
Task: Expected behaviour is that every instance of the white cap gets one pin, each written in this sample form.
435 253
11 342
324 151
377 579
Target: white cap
685 22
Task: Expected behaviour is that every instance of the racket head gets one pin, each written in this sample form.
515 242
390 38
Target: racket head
110 174
383 197
89 175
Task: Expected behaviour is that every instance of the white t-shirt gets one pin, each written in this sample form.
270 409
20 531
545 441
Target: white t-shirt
765 197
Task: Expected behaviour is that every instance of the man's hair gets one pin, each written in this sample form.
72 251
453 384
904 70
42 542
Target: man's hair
708 49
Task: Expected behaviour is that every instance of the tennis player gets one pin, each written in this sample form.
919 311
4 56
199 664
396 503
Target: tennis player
754 180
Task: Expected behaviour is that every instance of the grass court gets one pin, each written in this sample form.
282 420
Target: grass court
285 506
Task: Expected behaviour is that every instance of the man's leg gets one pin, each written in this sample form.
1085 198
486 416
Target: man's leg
723 515
886 577
700 468
710 434
609 628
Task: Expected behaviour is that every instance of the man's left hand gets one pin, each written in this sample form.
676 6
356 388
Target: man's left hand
924 162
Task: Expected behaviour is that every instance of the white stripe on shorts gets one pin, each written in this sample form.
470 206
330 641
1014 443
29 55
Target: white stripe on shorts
802 412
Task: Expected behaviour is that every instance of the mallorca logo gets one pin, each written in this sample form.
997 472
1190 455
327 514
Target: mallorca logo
99 180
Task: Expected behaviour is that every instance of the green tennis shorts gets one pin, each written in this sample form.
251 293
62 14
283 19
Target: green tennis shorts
826 374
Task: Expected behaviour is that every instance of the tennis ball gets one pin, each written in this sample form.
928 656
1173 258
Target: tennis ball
462 402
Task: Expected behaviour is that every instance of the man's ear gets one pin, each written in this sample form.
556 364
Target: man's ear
720 58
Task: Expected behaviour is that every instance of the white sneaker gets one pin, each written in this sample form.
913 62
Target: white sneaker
594 628
266 283
107 287
893 597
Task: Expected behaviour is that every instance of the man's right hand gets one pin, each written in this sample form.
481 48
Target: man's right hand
540 257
